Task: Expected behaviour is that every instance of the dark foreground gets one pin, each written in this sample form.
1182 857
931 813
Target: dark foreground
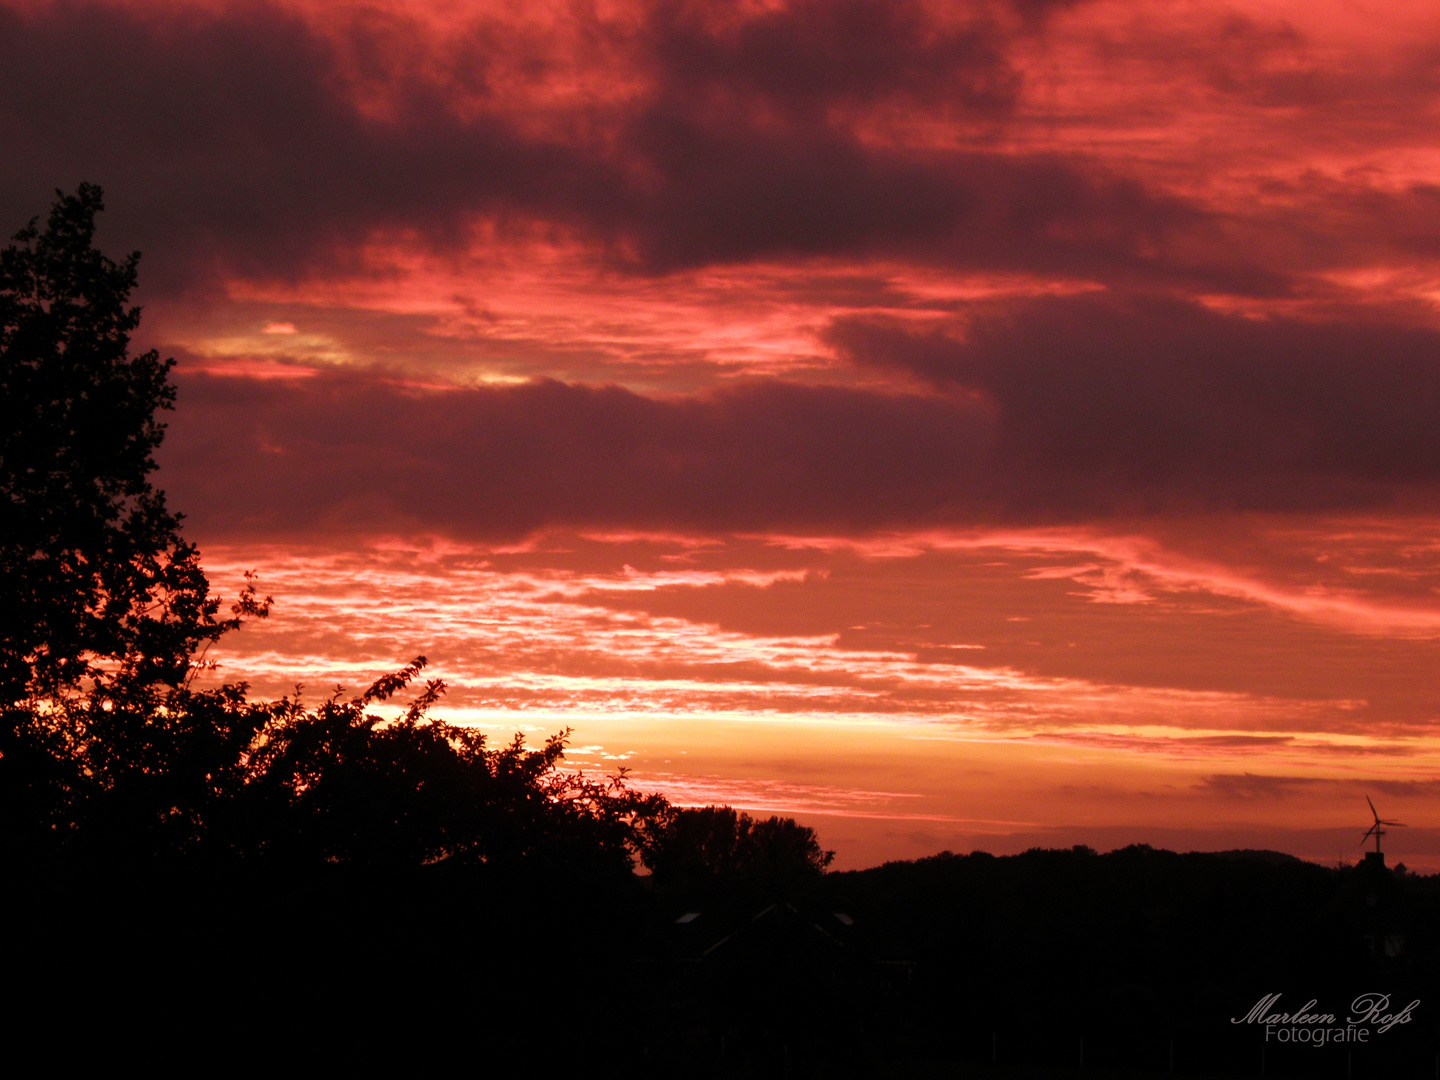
1059 963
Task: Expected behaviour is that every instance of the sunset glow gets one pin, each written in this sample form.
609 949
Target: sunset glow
956 426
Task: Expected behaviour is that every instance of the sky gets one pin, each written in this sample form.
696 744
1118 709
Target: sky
954 425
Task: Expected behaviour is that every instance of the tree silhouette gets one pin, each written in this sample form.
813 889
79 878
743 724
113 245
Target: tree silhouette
706 845
98 583
216 779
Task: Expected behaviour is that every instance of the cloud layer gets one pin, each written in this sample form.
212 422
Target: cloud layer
273 140
1068 409
1055 375
1056 307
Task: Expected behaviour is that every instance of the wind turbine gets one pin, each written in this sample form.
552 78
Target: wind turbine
1375 830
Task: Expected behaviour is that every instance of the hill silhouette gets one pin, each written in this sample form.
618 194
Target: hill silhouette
1046 963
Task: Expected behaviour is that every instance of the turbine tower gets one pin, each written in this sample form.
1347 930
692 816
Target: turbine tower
1375 830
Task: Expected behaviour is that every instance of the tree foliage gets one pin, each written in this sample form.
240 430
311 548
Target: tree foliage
96 580
705 845
214 778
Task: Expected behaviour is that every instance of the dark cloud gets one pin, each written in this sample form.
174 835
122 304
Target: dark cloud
812 55
234 138
1253 786
1271 64
1154 394
346 453
1256 786
1402 789
1073 409
742 191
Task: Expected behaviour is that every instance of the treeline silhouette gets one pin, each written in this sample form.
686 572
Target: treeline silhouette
1140 957
197 879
